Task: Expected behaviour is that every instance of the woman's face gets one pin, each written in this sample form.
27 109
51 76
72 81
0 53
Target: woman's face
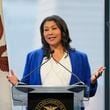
52 33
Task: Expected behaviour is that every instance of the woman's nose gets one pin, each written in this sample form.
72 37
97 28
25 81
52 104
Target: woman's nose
50 31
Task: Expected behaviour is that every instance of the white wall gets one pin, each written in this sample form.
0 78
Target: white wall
85 19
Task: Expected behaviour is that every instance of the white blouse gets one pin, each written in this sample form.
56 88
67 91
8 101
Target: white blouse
53 74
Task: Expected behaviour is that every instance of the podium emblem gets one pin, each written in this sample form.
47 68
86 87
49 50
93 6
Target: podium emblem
50 104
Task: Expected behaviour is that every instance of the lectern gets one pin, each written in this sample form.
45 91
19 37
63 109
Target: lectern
49 98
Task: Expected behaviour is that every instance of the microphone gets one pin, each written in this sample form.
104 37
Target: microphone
24 78
80 85
79 80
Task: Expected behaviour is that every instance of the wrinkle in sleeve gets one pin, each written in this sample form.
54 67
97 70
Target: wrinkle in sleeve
25 78
92 88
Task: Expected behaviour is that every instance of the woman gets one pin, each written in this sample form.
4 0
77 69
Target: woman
56 63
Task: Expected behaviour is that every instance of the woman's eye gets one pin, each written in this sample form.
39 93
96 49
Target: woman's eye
54 28
45 29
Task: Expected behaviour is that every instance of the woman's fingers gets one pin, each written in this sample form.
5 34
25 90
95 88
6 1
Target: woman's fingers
100 71
97 74
12 77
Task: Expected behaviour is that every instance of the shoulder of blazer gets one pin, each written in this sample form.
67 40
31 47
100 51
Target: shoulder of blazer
75 52
36 52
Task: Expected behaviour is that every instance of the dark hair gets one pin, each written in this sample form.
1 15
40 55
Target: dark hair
64 32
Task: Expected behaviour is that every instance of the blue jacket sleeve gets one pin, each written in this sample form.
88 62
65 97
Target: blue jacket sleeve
25 78
91 87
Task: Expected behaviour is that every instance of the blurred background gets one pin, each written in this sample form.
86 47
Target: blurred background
85 20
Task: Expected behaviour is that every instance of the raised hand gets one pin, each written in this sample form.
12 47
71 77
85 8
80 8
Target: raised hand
97 74
12 78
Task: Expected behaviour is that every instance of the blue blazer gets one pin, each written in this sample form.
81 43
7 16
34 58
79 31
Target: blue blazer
79 63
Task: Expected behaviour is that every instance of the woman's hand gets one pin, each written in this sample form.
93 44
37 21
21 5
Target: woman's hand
12 78
97 74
